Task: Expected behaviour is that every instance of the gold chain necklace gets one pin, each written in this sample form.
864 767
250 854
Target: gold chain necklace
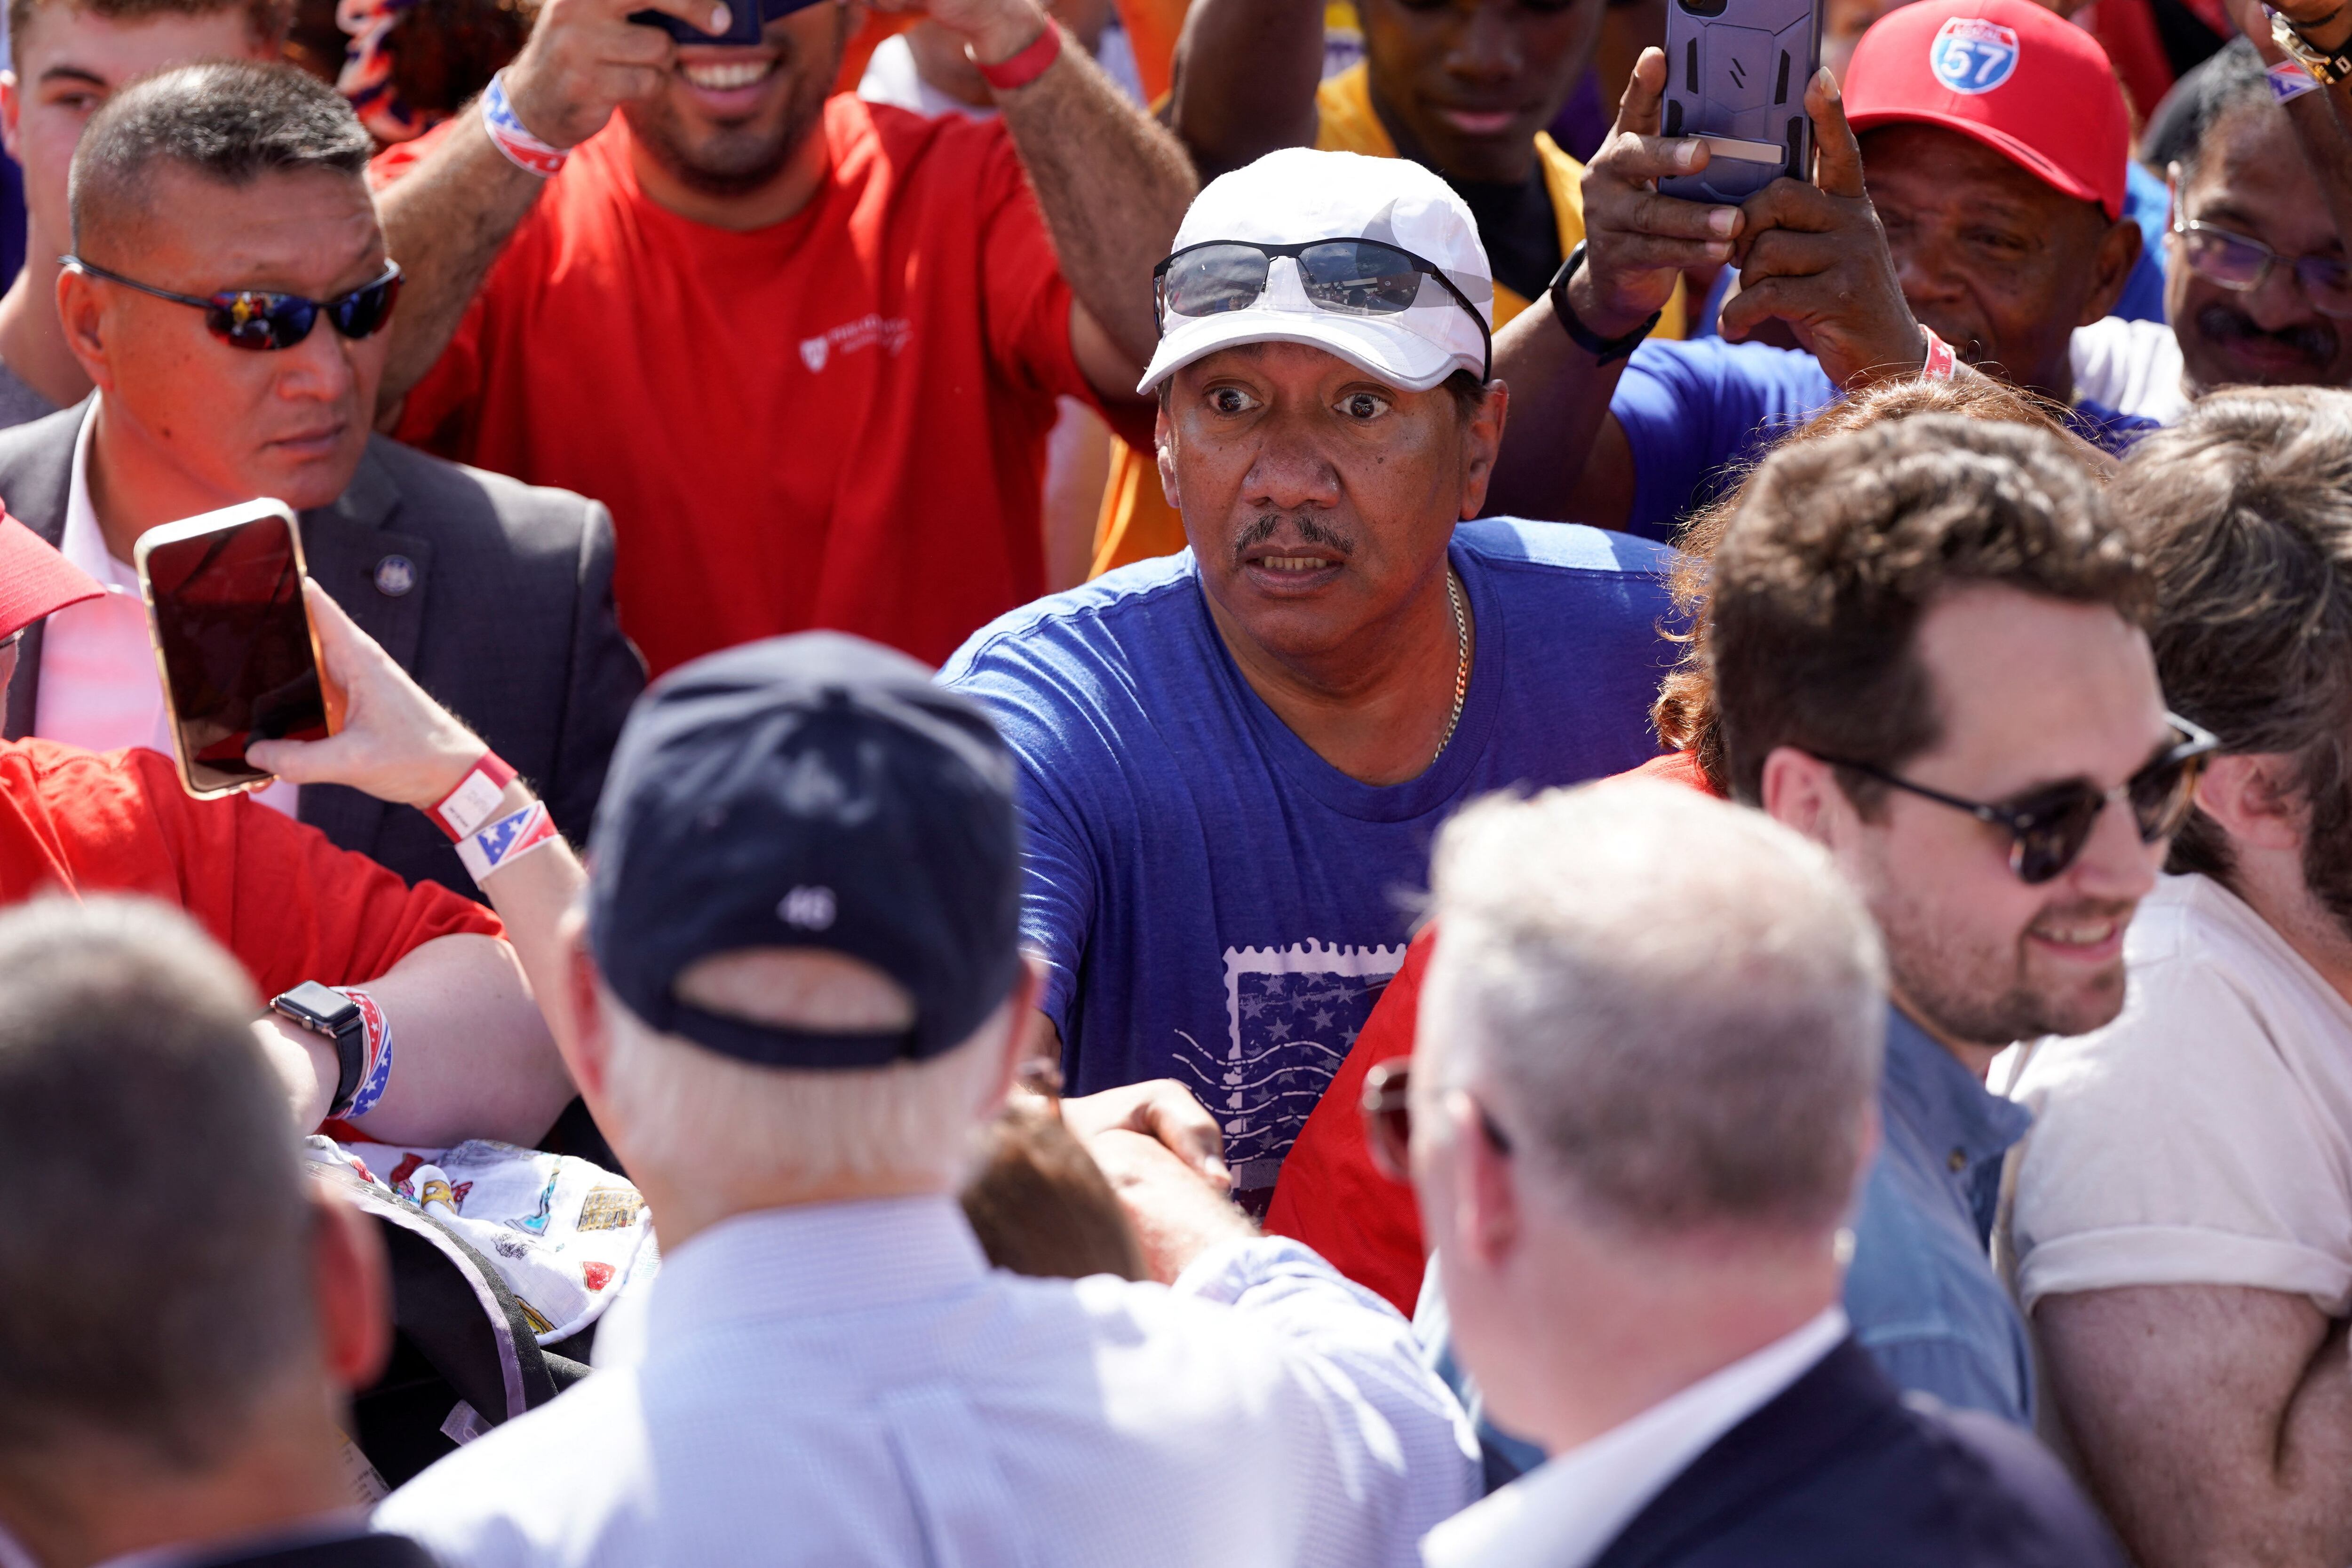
1461 664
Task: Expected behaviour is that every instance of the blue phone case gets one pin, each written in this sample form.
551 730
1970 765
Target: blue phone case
745 21
1739 68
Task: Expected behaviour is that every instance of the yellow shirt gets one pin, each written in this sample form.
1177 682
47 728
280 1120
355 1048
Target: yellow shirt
1137 521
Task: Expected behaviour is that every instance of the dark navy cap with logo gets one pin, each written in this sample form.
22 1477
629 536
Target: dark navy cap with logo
809 791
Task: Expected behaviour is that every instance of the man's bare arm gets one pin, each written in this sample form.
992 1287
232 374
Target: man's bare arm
447 220
1112 182
2214 1422
1246 71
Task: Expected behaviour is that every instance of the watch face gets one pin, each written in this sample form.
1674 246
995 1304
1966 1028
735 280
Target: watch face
313 1006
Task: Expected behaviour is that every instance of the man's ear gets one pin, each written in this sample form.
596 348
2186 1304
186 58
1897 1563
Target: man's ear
1163 447
2255 799
591 1038
1482 443
12 108
1486 1193
2119 250
351 1281
1796 790
81 311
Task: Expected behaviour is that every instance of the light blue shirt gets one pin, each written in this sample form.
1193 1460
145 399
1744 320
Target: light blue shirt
851 1384
1921 1289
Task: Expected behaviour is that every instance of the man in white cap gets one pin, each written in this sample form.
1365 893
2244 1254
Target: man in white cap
1233 758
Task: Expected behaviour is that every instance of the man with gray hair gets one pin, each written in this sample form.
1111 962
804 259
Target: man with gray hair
796 995
181 1310
1641 1106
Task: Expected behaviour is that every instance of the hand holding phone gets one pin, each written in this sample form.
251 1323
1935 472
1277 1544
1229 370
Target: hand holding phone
1738 70
233 640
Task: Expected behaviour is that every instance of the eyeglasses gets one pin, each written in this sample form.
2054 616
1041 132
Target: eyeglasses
1387 1107
2242 264
261 321
2048 827
1350 277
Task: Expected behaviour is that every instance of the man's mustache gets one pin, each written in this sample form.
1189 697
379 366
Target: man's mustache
1267 524
2315 342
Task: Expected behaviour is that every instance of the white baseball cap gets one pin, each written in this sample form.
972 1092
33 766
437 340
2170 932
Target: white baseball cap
1298 196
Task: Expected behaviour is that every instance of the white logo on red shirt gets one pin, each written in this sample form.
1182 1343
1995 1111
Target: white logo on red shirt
889 331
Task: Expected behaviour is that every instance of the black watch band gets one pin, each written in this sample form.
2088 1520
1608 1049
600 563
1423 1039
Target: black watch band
1606 351
336 1016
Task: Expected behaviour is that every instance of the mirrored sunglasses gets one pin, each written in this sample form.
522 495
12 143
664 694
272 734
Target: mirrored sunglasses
260 320
1349 277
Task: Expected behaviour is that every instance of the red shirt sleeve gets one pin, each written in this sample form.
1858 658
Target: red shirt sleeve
1329 1195
290 904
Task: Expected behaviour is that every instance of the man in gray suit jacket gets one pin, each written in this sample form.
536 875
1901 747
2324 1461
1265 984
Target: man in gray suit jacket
227 297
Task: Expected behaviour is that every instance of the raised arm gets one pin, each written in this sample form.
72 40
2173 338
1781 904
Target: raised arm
1112 182
448 218
2214 1422
454 995
1246 72
1563 455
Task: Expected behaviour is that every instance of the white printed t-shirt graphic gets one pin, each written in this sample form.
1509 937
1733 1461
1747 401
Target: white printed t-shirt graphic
1291 1014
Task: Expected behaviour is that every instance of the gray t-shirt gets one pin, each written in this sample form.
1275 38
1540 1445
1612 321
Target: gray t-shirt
20 404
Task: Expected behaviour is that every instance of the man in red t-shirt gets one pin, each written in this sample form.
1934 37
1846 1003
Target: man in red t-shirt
806 349
465 1051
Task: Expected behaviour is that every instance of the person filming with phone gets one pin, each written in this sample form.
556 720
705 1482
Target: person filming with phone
1966 214
400 1010
226 293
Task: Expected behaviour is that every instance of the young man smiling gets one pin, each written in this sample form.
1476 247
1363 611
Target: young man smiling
1234 756
808 350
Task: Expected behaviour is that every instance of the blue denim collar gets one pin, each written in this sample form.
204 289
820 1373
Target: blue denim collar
1950 1114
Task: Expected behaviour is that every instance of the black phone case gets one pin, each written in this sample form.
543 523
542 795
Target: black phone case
1739 68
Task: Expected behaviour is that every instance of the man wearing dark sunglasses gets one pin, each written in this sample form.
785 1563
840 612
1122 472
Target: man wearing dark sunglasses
226 293
2177 1230
1926 651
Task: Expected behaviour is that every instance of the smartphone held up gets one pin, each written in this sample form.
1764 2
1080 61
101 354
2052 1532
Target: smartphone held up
234 642
1736 76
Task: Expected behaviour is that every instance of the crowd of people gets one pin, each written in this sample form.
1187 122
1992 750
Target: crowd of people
1156 783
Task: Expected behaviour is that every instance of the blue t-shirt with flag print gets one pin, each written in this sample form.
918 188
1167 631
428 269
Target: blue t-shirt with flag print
1216 904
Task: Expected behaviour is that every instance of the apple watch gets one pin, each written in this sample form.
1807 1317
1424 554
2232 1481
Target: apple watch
336 1016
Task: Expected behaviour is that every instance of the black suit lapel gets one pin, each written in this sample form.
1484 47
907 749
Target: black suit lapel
1819 1414
346 547
35 496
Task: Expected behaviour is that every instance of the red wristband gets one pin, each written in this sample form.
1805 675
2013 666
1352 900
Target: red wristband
1942 364
1012 74
469 805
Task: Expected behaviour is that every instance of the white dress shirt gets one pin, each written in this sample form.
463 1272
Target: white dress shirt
1563 1513
850 1384
99 685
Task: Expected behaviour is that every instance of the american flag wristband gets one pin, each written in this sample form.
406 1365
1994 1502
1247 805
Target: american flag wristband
378 1072
464 809
1942 364
509 838
511 137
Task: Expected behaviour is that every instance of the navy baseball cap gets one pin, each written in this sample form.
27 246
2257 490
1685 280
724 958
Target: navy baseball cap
809 791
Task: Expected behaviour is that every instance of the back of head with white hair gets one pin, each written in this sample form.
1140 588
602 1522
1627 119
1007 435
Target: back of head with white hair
1674 1007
